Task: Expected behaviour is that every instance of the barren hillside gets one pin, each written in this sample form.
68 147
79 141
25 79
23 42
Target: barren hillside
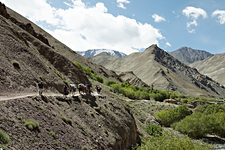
188 55
213 67
156 67
28 55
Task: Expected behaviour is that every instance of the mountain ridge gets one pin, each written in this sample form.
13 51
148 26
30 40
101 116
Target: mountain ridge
93 52
156 67
189 55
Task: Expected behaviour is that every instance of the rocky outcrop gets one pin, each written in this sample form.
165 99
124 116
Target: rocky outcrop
132 79
27 27
3 10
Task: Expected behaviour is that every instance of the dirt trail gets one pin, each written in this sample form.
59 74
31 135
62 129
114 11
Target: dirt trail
24 95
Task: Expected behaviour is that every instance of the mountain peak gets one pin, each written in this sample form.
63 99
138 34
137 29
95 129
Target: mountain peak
93 52
155 50
188 55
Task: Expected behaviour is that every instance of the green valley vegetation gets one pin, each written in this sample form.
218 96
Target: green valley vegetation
134 92
154 130
169 141
209 119
170 116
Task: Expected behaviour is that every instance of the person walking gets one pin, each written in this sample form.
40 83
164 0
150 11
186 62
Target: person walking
40 86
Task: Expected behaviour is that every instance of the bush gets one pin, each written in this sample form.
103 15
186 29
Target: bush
134 92
168 117
199 124
31 124
97 78
170 142
109 83
67 121
154 130
210 109
4 137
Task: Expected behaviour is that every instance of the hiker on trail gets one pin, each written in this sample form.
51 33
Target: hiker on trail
88 88
73 89
65 90
98 88
40 86
81 88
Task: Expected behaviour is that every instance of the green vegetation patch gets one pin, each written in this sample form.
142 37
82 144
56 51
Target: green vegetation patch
67 121
169 141
207 120
170 116
4 137
154 130
31 124
134 92
89 72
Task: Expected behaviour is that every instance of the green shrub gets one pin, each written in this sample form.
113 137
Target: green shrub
109 83
193 125
84 148
88 71
169 141
134 92
31 124
97 78
154 130
210 109
199 124
67 121
168 117
4 137
53 134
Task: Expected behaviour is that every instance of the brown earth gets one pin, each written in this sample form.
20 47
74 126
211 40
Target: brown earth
71 123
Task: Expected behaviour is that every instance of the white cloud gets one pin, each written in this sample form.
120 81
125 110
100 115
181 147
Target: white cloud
220 14
82 27
122 3
168 44
193 14
157 18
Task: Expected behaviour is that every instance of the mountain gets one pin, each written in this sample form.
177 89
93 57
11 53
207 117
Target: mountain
94 52
28 55
188 55
213 67
158 68
103 58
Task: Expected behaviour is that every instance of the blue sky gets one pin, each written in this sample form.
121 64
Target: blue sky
130 25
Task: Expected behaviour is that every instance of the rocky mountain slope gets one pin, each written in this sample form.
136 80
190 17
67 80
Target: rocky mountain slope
103 58
71 123
27 55
213 67
131 78
188 55
156 67
93 52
